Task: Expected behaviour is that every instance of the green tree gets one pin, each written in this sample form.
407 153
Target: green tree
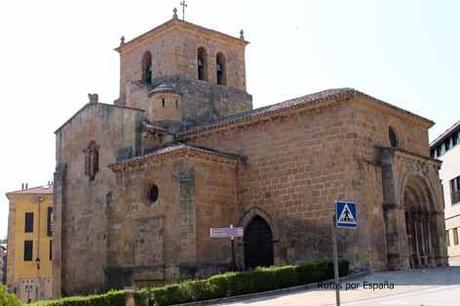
8 299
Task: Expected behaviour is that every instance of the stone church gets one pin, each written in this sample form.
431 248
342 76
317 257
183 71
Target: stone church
139 183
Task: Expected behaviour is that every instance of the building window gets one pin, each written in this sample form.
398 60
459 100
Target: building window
176 103
28 246
220 69
202 64
455 230
152 193
455 138
163 102
51 250
447 238
393 137
441 150
447 144
49 222
108 199
147 67
29 222
91 160
455 190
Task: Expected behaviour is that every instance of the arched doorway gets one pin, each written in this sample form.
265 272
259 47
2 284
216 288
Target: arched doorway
258 244
421 226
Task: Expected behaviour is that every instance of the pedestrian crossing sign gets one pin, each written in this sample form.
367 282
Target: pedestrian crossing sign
346 214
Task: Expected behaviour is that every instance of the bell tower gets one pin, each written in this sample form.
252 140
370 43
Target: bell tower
184 73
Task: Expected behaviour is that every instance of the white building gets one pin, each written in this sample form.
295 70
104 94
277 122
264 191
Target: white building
447 148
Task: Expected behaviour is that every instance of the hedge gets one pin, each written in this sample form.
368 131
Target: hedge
8 299
217 286
111 298
235 283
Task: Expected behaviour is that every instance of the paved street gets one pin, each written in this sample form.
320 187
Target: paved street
427 287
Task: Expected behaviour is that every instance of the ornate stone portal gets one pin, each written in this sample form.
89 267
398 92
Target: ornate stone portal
414 220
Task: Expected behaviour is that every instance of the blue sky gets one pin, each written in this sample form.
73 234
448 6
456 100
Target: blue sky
55 52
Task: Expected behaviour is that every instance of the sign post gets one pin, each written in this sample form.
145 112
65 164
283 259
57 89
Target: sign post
228 232
232 238
344 216
336 261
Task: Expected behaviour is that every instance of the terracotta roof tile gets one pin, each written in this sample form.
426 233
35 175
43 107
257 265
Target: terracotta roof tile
46 189
299 102
174 148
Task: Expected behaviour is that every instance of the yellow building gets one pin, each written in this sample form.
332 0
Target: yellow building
30 243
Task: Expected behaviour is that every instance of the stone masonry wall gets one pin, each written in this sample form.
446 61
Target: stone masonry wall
174 52
194 195
82 228
298 166
199 101
372 122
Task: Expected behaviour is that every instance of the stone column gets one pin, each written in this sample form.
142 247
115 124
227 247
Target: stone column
394 214
430 240
417 240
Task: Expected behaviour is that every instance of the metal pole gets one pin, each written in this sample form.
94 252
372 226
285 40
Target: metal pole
336 260
233 255
233 250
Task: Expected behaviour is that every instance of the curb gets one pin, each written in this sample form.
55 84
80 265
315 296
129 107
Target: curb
237 298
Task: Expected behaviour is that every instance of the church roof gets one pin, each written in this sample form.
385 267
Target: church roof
163 87
174 148
175 22
307 100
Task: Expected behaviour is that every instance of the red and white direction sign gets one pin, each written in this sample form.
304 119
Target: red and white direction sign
226 232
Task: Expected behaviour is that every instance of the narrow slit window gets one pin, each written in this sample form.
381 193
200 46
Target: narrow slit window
91 160
394 142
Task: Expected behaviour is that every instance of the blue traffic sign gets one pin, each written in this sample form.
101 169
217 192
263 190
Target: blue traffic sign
346 214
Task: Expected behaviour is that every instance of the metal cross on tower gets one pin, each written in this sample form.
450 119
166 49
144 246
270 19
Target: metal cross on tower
184 5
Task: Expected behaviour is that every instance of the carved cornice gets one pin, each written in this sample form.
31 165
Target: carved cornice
176 151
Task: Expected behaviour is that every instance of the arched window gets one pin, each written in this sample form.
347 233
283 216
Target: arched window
220 69
202 64
91 160
394 142
147 67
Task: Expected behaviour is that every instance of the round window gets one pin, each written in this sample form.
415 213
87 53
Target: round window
152 193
